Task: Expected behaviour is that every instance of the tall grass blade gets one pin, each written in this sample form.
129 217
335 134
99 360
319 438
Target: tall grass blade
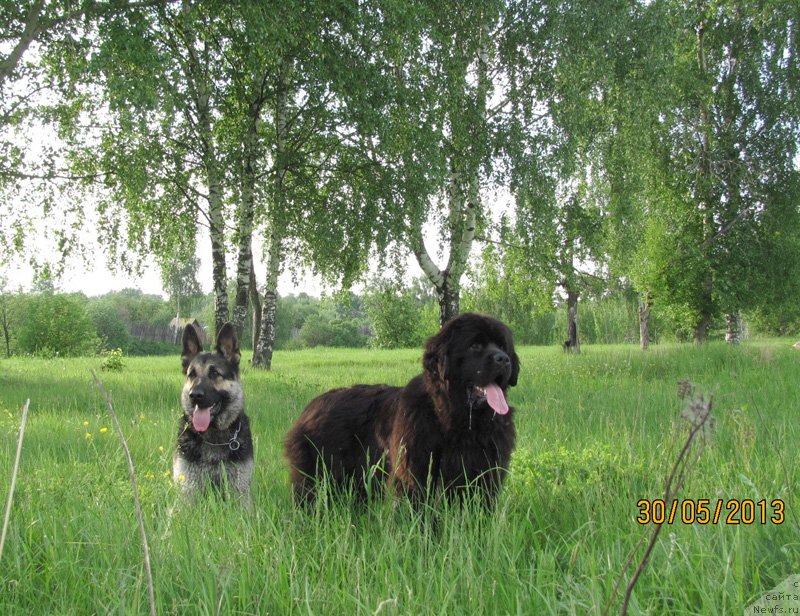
132 473
10 499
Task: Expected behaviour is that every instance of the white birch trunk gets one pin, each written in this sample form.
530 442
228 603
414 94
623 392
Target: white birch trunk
245 231
217 234
447 282
463 193
255 305
732 331
573 342
215 212
200 91
262 355
264 348
644 321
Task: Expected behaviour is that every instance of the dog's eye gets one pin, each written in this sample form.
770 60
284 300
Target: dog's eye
476 346
212 372
191 374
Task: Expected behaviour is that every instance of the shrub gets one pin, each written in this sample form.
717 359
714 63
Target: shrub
394 317
112 360
109 327
320 331
57 325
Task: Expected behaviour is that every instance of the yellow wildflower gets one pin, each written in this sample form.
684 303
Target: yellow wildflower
88 436
181 477
161 449
103 430
85 424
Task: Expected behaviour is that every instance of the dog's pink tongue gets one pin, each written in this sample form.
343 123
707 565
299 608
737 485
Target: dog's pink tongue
496 399
201 418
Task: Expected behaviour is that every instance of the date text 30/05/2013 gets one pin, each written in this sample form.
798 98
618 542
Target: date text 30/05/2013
706 511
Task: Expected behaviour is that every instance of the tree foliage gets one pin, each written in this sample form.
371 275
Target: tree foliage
109 327
719 163
397 318
646 146
57 325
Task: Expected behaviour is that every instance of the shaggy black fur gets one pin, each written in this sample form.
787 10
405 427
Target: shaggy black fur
447 429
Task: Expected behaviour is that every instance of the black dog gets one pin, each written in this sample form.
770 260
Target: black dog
214 443
447 429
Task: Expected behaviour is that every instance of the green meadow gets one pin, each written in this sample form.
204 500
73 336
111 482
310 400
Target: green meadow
597 433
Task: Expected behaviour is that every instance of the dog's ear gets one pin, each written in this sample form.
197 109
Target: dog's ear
228 344
514 369
191 345
435 360
430 360
509 343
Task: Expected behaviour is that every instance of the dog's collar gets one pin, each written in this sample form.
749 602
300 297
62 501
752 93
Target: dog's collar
234 444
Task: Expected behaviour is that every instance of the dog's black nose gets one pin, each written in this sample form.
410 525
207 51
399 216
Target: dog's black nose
197 393
501 359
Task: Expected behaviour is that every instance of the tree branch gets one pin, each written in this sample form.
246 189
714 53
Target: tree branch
725 228
34 26
32 29
431 270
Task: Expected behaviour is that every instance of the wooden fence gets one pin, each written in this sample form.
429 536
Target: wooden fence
156 333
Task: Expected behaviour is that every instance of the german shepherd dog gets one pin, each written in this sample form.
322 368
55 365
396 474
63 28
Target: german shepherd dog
214 442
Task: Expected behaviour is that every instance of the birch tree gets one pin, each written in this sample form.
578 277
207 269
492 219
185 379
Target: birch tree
726 150
262 356
32 162
564 61
319 181
466 144
143 103
36 20
247 41
435 132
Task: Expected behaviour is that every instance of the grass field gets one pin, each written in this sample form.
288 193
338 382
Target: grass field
596 433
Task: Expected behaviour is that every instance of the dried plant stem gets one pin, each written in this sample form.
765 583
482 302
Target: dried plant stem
132 475
10 499
680 470
678 474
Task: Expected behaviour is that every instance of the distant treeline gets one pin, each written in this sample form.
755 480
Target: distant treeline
385 315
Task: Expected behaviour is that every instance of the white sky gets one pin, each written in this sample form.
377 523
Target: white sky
94 277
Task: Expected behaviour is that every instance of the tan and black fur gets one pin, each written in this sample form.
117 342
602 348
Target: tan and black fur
216 450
